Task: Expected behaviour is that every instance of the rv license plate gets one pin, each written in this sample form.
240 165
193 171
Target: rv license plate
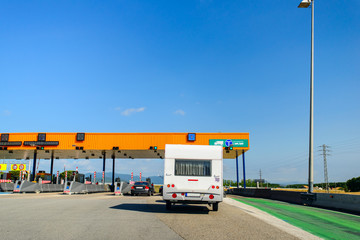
192 194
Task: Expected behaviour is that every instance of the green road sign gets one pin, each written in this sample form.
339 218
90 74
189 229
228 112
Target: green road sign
235 142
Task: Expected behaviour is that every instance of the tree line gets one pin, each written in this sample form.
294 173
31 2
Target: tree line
351 185
249 183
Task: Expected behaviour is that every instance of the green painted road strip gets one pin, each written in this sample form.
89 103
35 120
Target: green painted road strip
323 223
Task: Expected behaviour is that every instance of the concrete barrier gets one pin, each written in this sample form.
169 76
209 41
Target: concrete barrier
76 187
252 192
52 187
31 187
6 187
286 196
122 188
344 202
118 188
126 188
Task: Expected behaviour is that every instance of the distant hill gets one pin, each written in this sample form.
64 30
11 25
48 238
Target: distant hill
125 177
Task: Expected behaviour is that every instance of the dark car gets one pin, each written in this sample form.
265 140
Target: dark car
142 188
161 190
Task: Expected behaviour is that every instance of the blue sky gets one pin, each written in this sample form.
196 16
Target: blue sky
188 66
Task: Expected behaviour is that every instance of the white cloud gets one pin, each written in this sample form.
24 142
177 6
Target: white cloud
130 111
179 112
117 108
6 113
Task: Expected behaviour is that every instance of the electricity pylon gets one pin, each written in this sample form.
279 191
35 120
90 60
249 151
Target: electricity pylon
325 152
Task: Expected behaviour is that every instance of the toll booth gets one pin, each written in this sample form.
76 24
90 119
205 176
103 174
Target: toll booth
73 176
5 176
79 178
45 177
11 176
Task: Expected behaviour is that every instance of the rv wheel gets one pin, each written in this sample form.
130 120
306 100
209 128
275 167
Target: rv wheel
168 205
215 206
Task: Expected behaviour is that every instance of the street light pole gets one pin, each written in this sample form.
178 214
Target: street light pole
311 140
306 4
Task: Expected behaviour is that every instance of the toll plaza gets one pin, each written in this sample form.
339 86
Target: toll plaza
52 146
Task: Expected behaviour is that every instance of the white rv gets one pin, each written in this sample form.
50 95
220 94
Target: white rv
193 174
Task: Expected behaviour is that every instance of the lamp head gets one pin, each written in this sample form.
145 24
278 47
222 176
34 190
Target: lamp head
304 4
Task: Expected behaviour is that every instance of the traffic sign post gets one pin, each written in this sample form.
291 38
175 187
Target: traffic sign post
243 156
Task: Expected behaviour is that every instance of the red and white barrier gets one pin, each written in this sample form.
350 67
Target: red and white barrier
5 181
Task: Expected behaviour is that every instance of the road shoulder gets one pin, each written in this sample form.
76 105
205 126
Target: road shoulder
278 223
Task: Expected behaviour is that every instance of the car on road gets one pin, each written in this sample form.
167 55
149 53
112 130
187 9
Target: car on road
142 188
161 190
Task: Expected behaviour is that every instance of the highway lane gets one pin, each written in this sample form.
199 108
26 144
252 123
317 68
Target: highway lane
105 216
324 223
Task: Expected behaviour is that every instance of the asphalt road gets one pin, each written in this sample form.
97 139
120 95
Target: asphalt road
105 216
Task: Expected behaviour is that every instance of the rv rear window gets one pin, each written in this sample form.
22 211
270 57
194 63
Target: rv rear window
192 167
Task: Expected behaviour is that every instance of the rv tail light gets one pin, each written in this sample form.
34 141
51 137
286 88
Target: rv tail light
132 187
147 188
182 194
174 195
168 185
212 186
211 196
172 185
217 187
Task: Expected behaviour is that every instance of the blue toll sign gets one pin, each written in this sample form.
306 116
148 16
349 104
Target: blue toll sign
228 143
191 137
